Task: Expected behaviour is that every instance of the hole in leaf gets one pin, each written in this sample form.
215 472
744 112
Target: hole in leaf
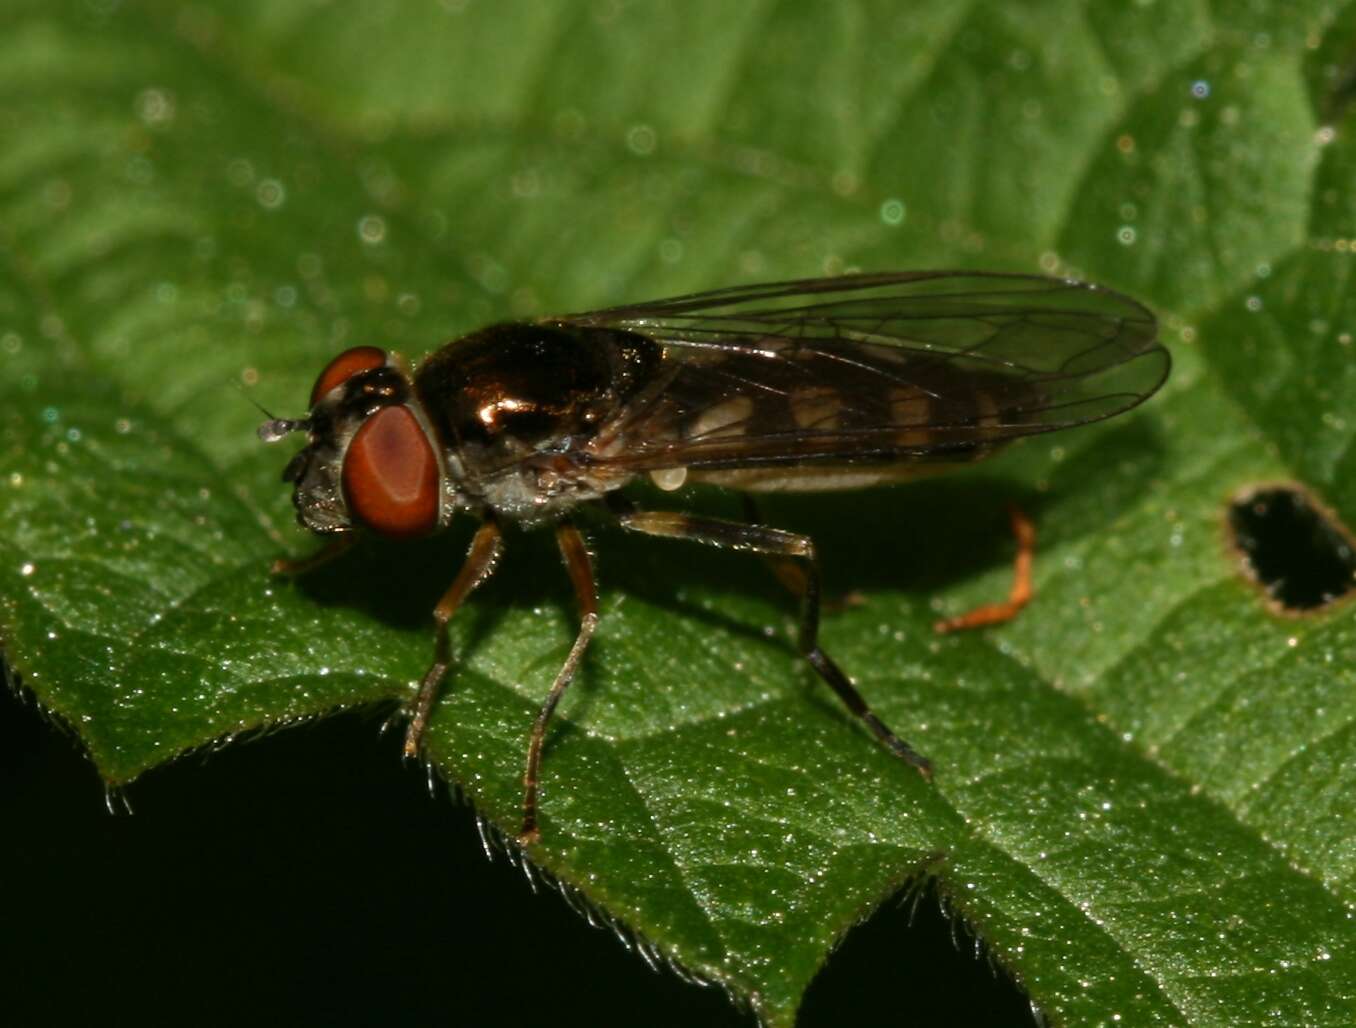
1293 547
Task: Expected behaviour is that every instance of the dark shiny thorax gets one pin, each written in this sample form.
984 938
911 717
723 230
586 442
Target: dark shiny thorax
512 390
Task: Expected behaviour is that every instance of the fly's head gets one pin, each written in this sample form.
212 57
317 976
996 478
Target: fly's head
371 461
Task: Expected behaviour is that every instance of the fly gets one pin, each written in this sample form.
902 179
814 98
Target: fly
818 384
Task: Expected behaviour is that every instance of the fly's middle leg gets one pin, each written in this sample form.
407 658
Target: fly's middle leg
580 570
486 547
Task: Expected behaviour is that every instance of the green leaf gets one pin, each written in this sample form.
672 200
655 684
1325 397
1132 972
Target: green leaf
1142 793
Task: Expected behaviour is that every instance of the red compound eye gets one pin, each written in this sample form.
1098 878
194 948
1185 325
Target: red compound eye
345 366
391 475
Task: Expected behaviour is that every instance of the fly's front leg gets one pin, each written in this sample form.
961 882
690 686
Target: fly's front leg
773 542
337 546
1024 531
580 569
486 548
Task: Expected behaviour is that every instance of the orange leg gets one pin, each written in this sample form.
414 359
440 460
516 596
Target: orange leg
336 547
1018 596
580 570
486 547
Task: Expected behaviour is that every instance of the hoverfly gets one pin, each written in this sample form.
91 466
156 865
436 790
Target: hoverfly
818 384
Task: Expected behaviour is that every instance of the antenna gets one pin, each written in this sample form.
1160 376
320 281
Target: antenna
274 428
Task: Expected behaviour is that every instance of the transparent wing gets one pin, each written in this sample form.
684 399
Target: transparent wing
912 366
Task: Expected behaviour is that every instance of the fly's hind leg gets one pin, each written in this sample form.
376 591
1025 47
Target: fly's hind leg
791 575
775 543
788 573
486 547
1024 531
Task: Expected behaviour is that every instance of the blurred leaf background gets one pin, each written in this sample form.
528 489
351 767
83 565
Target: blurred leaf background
1142 807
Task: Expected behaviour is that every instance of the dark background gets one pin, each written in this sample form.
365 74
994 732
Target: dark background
242 889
